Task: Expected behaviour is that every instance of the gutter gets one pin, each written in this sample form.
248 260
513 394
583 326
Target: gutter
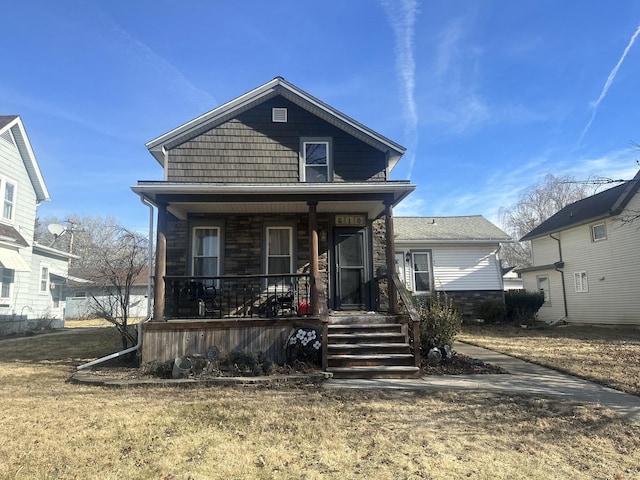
149 310
557 267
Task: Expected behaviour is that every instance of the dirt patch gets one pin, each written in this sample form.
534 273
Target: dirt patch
461 365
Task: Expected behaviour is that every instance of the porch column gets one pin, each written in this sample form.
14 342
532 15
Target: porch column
313 258
391 257
161 264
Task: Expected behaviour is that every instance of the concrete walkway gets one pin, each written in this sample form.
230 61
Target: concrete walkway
524 378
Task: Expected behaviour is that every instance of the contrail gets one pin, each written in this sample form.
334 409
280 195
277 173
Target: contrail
608 83
402 17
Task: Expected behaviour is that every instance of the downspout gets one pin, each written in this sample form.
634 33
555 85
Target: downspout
149 311
557 266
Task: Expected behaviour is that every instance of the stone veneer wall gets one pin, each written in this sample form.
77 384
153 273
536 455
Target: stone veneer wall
467 301
379 239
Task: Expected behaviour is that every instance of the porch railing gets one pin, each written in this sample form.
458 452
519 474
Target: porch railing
237 296
414 324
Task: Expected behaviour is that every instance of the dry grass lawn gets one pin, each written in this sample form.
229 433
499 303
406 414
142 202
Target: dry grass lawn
51 429
606 355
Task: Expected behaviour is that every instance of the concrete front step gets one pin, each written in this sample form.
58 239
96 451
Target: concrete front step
354 360
375 372
365 328
377 337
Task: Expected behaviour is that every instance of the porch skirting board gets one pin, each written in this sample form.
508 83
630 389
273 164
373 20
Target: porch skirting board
164 341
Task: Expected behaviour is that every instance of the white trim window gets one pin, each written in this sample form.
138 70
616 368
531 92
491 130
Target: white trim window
598 232
581 282
6 282
543 287
206 251
421 263
44 279
315 160
279 250
8 200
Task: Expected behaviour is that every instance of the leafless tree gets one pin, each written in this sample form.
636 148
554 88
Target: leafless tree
535 205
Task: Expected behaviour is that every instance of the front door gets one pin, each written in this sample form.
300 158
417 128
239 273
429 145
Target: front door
351 271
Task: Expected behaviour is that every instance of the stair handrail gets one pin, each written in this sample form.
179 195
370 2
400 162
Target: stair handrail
413 315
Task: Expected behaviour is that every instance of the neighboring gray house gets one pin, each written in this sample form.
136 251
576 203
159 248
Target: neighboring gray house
454 255
32 275
586 259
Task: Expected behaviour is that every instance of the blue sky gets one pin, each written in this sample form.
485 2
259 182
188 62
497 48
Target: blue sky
487 96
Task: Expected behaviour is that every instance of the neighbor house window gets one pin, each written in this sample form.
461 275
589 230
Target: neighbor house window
421 272
543 287
44 279
580 279
7 280
598 232
8 207
316 160
279 252
206 251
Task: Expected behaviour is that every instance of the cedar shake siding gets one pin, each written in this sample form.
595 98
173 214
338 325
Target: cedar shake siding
250 148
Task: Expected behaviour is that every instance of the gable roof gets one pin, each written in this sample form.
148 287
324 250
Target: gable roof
461 229
277 86
605 204
14 124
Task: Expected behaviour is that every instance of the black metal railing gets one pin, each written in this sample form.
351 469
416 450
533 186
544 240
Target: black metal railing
237 296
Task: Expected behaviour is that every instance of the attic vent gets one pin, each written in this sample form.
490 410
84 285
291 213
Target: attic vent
7 137
279 115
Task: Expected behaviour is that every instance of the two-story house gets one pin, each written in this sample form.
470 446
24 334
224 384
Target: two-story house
33 276
586 259
275 210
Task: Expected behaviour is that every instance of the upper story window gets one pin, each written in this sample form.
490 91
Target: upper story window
315 159
206 251
9 198
598 232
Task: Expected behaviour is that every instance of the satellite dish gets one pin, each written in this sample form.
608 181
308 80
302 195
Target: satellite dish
56 229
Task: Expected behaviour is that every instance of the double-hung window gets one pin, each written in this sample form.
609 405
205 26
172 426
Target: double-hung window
44 279
7 280
206 251
315 160
581 283
421 272
8 195
279 253
543 287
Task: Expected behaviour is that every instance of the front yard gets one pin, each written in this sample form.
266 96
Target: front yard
54 429
606 355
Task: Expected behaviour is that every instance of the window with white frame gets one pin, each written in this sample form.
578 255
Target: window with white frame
421 272
580 280
316 160
7 280
44 279
598 232
279 250
206 251
543 287
9 197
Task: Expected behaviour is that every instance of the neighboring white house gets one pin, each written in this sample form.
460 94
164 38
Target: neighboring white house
32 276
586 259
456 255
511 279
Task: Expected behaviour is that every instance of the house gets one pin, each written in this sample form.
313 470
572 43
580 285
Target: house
586 259
511 279
457 256
33 275
275 212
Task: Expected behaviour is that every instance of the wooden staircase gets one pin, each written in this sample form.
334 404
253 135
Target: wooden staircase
369 346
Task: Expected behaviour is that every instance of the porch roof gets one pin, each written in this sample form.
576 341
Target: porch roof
214 198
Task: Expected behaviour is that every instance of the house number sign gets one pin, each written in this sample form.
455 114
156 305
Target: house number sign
350 220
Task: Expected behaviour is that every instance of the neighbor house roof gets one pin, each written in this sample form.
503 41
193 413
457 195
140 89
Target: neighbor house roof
277 86
12 130
596 207
473 228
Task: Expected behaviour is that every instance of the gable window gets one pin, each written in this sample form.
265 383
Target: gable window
279 252
421 272
316 160
44 279
598 232
543 287
8 205
206 251
581 283
7 280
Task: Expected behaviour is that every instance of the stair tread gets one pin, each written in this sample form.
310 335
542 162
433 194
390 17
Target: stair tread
367 368
363 325
366 356
366 334
367 345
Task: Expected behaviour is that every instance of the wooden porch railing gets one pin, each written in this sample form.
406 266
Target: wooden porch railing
414 324
237 296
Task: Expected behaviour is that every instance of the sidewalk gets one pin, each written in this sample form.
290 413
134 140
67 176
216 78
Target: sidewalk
523 378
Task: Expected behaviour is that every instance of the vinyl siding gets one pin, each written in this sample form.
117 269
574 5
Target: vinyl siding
545 251
553 310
